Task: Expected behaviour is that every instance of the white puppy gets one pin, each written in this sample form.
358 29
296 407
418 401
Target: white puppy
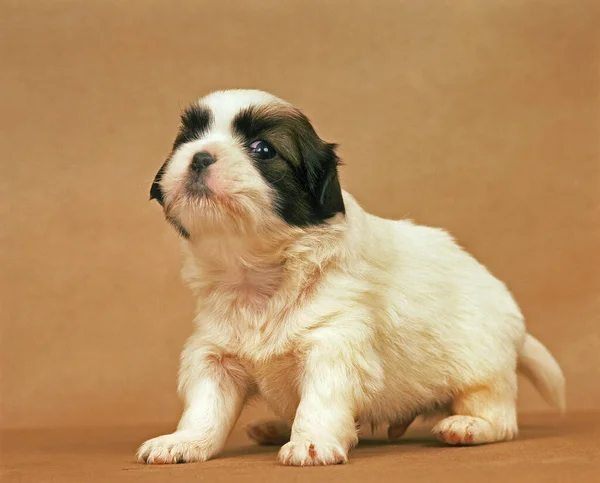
337 318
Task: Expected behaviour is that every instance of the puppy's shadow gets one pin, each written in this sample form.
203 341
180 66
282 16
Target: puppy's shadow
250 449
412 440
409 441
420 437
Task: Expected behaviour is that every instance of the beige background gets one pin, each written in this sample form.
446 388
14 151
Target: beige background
482 117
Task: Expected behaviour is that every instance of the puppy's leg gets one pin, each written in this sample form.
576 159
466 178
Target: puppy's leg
324 428
213 388
269 432
483 414
397 428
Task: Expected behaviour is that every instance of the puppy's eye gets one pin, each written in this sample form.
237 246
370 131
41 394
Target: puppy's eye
262 150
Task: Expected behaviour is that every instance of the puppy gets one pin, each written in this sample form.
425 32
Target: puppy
335 317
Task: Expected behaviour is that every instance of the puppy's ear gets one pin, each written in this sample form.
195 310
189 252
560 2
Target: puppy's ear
321 164
155 190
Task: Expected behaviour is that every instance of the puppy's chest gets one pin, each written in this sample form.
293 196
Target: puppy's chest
264 335
241 289
277 381
252 316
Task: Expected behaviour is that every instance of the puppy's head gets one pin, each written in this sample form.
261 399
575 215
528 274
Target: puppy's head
246 160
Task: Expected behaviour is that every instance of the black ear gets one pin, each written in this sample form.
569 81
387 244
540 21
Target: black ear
155 190
322 163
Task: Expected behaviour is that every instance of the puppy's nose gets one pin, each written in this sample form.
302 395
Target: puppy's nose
202 160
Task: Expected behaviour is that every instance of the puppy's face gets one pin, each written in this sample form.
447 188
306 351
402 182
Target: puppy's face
245 161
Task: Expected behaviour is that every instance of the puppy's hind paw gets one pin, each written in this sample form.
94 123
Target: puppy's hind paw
464 430
269 432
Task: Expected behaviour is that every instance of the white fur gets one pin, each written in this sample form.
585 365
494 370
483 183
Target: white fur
361 321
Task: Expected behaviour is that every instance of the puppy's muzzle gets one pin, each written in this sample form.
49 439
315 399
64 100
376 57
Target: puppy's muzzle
197 173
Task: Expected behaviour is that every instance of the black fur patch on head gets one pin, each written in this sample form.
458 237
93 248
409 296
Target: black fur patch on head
304 173
195 120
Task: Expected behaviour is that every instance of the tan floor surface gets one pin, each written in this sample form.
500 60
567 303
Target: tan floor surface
563 450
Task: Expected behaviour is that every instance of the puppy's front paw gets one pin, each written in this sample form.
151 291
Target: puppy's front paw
178 447
307 453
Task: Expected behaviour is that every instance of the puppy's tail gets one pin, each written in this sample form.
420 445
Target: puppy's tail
537 364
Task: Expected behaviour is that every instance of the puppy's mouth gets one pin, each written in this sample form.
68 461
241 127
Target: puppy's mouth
195 185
